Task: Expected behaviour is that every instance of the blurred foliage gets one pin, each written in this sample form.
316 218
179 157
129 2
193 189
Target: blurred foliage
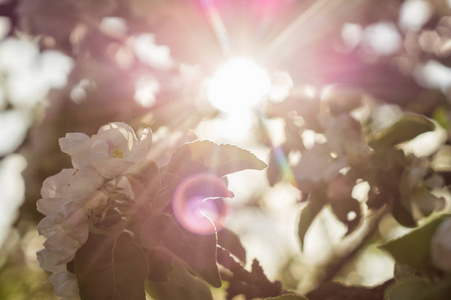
304 39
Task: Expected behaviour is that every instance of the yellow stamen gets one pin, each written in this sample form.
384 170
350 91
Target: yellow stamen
117 153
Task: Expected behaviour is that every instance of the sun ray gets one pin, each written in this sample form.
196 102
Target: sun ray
312 24
218 25
279 154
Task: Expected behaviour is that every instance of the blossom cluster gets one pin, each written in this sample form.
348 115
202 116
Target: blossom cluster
71 198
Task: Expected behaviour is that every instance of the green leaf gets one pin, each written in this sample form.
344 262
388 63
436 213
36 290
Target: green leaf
402 214
416 288
220 159
111 269
308 214
405 129
402 205
440 291
407 289
180 285
160 265
287 297
440 115
197 251
413 249
228 240
145 181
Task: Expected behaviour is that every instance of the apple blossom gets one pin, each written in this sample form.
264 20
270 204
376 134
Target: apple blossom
65 285
71 198
113 151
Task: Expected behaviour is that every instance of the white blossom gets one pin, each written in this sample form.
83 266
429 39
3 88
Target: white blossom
71 197
65 285
113 151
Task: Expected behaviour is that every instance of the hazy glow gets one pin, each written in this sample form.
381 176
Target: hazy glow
146 89
113 26
351 34
152 54
5 26
281 86
13 188
383 38
238 85
414 14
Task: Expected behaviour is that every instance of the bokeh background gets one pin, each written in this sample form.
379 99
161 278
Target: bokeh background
72 66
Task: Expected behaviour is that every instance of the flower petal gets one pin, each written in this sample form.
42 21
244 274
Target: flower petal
118 135
65 284
85 181
95 200
141 149
51 206
114 167
48 261
57 185
77 146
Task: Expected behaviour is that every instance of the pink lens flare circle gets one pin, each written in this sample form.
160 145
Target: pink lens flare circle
198 203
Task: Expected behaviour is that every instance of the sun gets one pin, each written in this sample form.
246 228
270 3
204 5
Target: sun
238 85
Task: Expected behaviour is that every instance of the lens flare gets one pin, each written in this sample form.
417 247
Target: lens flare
238 85
198 204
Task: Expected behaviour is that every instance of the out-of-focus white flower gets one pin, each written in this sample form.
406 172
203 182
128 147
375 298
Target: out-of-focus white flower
441 246
113 151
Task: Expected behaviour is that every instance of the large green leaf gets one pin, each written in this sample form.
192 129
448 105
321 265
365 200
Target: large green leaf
145 181
308 214
197 251
180 285
231 242
416 288
160 265
413 249
109 269
405 129
220 159
403 214
407 289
